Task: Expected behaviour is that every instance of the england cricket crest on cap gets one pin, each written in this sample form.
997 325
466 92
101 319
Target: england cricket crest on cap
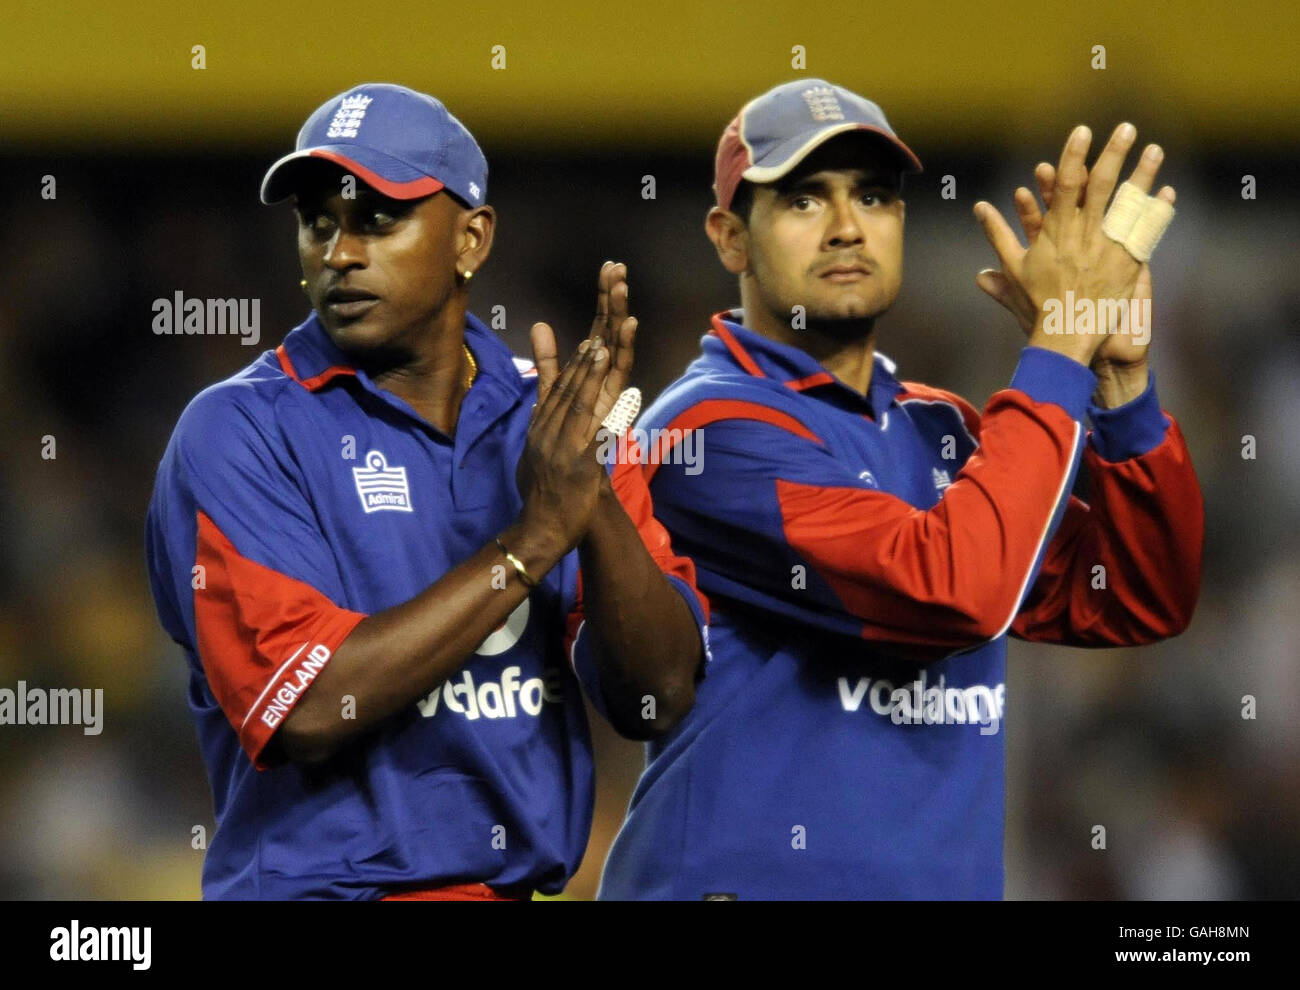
382 487
822 103
349 116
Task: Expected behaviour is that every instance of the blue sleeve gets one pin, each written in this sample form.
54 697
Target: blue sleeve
1130 430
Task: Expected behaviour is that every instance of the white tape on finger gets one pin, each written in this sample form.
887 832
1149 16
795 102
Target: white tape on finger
1125 209
624 413
1148 230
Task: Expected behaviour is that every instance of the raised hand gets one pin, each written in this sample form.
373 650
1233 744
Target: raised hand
1066 249
1004 286
611 324
558 476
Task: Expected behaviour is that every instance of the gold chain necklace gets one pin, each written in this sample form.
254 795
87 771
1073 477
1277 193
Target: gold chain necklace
473 366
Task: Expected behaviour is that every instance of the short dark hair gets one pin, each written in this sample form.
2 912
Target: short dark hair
742 200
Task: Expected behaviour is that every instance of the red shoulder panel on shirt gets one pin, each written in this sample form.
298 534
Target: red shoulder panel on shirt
252 624
712 410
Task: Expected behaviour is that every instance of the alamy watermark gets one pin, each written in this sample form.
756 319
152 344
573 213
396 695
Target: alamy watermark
179 315
74 943
653 446
1083 316
53 706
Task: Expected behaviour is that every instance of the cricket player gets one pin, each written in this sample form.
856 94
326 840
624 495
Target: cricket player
867 543
387 547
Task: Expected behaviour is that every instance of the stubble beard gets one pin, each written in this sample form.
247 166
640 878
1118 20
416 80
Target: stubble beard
826 322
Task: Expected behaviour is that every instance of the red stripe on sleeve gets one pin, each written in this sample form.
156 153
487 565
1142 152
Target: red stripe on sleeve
952 576
263 637
1125 568
633 493
709 411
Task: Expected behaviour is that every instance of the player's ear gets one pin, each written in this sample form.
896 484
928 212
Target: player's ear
730 237
477 229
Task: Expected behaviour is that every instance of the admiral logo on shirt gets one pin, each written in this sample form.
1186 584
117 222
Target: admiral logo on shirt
382 487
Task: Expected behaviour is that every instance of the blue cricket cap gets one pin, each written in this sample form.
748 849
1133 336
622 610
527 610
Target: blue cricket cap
399 142
776 131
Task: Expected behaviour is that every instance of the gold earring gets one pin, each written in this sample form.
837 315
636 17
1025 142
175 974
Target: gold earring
303 285
466 276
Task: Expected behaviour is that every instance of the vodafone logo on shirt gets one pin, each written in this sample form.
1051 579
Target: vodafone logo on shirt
506 697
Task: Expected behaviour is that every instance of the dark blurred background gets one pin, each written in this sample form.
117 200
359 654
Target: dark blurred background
156 166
